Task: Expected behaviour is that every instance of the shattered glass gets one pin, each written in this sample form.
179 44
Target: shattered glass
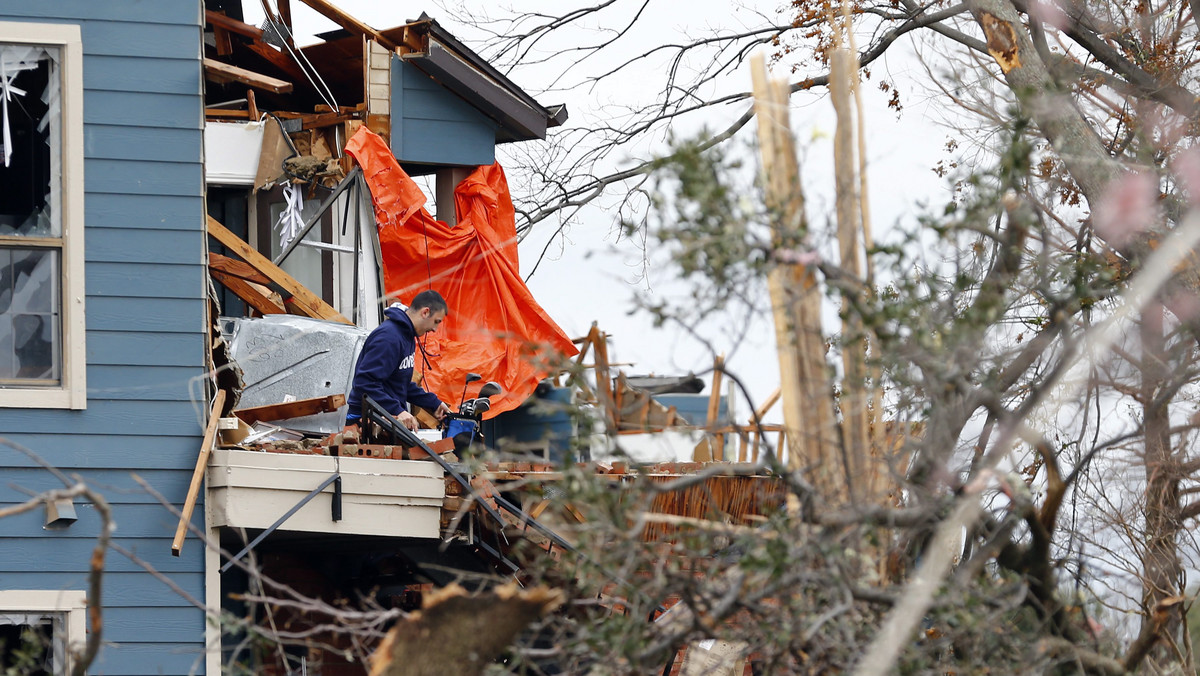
29 315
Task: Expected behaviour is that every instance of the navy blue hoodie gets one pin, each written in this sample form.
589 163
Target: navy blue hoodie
385 368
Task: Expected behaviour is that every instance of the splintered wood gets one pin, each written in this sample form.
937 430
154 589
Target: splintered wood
460 633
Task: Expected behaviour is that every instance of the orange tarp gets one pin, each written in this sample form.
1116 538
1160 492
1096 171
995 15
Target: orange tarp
495 328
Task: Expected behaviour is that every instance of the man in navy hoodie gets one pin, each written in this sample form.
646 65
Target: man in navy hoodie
385 364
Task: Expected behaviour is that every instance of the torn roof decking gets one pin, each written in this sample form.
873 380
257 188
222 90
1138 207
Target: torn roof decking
424 44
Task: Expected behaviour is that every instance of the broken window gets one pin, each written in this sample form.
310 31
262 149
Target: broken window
39 629
41 217
30 226
30 643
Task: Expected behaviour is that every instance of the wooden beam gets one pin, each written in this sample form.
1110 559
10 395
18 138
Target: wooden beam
714 407
766 405
604 384
222 40
232 25
248 293
189 504
278 59
285 13
341 18
306 302
231 266
291 409
226 113
222 72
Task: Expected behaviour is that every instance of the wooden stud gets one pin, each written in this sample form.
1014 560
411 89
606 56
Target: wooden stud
248 293
222 41
189 504
222 72
251 106
232 25
291 409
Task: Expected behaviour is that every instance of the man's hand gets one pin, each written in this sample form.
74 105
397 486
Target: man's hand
407 420
442 411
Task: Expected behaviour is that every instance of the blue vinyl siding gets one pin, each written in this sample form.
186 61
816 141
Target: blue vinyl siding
145 312
432 125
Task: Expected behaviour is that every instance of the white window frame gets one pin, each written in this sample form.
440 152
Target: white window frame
71 392
70 603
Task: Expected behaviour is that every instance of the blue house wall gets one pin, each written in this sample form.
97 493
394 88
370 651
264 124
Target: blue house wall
431 125
145 333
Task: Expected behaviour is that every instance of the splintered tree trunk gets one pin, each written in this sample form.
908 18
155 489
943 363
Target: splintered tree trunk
1162 572
795 299
854 392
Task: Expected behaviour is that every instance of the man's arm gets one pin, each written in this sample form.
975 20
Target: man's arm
377 362
417 395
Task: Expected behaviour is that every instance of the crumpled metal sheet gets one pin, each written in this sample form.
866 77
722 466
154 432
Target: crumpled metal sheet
285 357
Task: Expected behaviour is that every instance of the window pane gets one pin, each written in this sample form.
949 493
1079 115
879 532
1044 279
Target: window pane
30 344
29 164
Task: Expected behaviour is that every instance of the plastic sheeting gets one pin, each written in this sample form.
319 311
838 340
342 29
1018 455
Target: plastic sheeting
495 327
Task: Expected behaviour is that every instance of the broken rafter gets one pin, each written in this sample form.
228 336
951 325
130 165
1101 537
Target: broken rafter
249 293
219 20
341 18
299 298
222 72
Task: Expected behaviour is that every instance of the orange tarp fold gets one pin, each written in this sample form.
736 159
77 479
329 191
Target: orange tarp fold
495 328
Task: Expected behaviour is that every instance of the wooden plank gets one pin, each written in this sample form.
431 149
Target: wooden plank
226 114
223 41
291 409
189 503
248 293
341 18
216 71
232 25
307 302
236 268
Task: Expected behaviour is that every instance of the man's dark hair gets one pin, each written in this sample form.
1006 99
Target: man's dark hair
430 299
